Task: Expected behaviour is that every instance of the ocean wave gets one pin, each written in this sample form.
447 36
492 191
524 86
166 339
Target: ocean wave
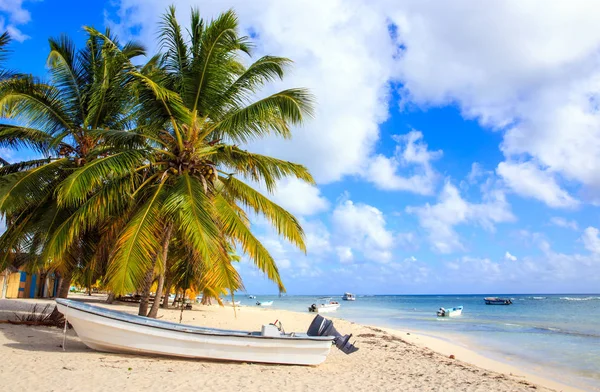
579 298
538 298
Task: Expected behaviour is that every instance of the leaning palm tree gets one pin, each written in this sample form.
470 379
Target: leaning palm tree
197 104
88 89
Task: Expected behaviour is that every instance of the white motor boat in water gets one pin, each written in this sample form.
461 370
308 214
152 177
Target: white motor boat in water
452 312
111 331
252 297
265 303
324 305
349 297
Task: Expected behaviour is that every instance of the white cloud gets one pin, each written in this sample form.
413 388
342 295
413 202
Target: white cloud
440 219
411 155
17 15
590 239
528 180
476 173
363 228
346 58
509 257
530 68
299 198
408 241
562 222
317 238
345 254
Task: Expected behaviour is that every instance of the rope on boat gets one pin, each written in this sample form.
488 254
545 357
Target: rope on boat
65 328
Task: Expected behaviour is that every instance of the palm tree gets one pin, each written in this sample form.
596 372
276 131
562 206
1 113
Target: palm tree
197 104
89 89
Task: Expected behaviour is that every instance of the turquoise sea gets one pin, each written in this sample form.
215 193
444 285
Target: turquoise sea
556 336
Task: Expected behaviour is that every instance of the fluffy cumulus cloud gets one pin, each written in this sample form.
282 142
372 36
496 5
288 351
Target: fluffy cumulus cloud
299 197
528 180
451 210
12 15
508 256
590 239
411 154
565 223
346 58
362 228
531 69
551 269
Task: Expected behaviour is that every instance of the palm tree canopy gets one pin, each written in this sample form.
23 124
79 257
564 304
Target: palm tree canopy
182 163
88 89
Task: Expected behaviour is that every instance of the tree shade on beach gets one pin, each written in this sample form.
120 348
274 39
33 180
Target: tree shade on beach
143 174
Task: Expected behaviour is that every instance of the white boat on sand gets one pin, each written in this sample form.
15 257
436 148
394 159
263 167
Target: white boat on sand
452 312
111 331
324 305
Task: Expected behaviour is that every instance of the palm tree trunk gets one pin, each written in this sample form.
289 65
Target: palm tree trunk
111 298
161 279
65 283
146 290
168 279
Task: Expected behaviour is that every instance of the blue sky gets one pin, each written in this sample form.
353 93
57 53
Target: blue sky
456 148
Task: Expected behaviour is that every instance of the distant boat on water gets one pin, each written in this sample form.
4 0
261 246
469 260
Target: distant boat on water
349 297
497 301
452 312
324 305
252 297
266 303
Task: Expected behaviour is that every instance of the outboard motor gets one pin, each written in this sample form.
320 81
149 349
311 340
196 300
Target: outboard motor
320 326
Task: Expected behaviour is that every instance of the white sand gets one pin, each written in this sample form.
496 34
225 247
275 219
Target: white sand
32 359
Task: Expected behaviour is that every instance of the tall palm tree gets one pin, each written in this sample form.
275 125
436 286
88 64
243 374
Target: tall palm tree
89 89
197 104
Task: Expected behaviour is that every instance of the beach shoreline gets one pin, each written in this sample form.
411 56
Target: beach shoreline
388 359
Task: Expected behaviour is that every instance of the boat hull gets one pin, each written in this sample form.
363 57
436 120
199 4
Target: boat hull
452 312
118 336
497 301
324 309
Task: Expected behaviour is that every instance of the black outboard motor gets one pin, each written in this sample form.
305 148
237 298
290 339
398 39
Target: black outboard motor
320 326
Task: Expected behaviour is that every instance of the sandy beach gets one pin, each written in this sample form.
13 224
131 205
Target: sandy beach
388 360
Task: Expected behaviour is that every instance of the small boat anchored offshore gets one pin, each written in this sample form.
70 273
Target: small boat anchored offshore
452 312
107 330
324 305
497 301
349 297
265 303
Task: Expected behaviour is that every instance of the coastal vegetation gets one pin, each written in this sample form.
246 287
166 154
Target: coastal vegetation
140 174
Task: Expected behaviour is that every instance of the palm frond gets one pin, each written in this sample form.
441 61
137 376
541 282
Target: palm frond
22 189
137 245
192 210
77 186
283 221
13 136
236 228
272 114
37 105
260 168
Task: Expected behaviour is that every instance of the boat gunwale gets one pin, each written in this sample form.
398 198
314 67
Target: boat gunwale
196 330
